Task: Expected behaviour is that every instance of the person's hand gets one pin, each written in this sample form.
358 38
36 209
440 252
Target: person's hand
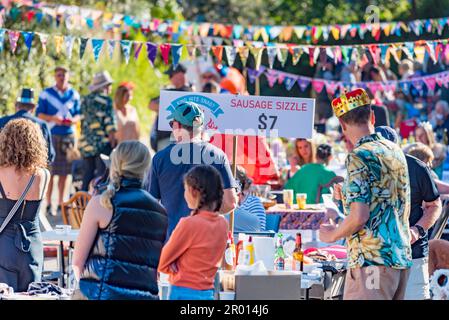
338 195
58 120
327 232
174 267
414 235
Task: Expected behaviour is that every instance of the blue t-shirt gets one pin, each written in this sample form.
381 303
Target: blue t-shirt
167 173
65 105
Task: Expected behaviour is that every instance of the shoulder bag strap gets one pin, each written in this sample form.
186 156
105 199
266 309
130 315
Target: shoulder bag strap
17 204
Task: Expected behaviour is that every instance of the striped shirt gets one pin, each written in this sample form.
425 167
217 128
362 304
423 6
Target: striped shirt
253 205
63 104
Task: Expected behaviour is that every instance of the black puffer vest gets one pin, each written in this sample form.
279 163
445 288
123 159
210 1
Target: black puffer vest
123 261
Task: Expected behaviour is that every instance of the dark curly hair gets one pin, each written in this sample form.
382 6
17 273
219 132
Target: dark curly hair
324 151
207 180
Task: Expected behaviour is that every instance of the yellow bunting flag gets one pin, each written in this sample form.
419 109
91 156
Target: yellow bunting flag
257 54
243 53
59 41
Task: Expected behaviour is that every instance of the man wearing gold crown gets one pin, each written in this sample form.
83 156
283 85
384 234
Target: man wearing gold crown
376 199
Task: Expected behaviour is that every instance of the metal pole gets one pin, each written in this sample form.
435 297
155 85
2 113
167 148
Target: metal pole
234 173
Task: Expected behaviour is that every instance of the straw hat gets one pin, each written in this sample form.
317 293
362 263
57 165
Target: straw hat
100 80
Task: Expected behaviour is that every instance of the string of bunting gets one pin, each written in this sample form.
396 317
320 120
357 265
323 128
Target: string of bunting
375 53
77 17
318 85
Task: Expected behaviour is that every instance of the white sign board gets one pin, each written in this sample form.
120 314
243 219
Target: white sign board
254 115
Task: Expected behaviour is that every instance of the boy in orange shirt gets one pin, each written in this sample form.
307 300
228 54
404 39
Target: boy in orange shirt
196 247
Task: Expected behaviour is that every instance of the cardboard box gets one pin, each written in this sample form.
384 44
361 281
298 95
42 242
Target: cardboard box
275 286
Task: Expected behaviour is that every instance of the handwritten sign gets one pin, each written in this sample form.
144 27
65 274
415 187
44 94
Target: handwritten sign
245 115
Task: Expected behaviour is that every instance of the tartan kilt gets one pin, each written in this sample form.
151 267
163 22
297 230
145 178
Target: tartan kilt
61 166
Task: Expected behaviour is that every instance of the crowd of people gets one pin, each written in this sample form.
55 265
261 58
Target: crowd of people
174 213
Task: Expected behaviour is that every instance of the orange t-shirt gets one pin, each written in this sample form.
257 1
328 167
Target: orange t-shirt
197 247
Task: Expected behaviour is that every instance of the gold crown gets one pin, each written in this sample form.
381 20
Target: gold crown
350 101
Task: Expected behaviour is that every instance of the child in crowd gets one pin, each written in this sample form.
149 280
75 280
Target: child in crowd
196 247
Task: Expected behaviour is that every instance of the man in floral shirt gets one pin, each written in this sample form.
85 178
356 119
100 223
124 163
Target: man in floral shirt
98 127
376 199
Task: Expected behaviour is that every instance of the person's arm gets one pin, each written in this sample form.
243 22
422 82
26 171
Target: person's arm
86 237
152 181
51 149
443 187
154 105
230 201
175 247
110 124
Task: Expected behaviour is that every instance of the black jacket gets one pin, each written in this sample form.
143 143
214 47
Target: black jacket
123 261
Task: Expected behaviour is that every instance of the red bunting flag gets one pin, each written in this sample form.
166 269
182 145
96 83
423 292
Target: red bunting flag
218 52
165 51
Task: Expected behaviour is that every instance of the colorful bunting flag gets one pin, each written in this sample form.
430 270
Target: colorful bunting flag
69 42
271 52
83 45
126 49
59 41
13 38
2 39
243 54
111 48
272 77
165 51
97 46
28 37
191 50
218 53
151 52
137 49
296 55
176 52
289 82
257 54
43 38
231 53
303 83
317 85
282 54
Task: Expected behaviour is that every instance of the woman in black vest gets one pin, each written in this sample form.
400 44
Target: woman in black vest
122 233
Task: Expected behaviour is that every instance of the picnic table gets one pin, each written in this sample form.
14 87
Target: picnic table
294 219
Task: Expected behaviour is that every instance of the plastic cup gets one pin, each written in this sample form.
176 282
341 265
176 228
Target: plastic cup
227 295
288 198
301 200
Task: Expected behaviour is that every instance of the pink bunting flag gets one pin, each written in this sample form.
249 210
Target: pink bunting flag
331 87
430 83
165 51
13 38
374 87
318 85
272 76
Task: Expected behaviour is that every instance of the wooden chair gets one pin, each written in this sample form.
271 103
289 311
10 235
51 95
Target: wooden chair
333 181
73 210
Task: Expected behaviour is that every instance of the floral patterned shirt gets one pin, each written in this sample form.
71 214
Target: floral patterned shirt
378 176
98 120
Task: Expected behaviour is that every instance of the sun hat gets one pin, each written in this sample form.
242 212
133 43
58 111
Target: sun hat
189 114
100 80
26 96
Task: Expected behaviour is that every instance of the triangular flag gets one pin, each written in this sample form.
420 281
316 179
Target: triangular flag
383 53
204 50
69 42
271 52
409 48
317 85
97 46
13 38
331 87
303 83
430 83
299 31
43 38
282 54
191 50
126 49
272 77
176 52
257 54
2 39
289 82
137 49
344 30
111 48
28 36
204 29
243 53
312 56
151 52
420 53
59 41
231 53
237 31
430 47
83 45
335 32
165 51
296 54
374 51
218 53
438 50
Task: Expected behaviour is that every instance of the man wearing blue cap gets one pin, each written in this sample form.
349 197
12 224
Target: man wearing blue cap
170 164
424 212
25 106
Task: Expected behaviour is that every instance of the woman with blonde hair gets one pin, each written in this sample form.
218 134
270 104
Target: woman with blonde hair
305 150
128 127
122 233
424 134
23 183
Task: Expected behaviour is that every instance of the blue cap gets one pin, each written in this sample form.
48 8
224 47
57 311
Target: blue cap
189 114
388 133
